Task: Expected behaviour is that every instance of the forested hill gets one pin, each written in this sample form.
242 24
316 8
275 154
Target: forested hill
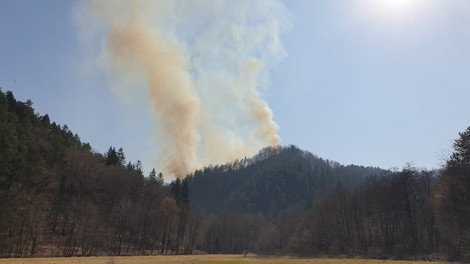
274 179
60 198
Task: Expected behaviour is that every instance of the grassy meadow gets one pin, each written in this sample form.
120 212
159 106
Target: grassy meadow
196 259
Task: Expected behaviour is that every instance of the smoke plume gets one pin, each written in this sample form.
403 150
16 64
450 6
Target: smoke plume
202 64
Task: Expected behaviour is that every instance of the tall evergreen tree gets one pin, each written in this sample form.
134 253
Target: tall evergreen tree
121 157
453 199
111 157
175 189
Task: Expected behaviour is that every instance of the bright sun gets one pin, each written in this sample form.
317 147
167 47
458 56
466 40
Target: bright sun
393 13
398 3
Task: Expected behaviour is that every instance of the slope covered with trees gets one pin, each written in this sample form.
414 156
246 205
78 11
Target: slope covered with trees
407 213
60 198
288 201
273 180
452 200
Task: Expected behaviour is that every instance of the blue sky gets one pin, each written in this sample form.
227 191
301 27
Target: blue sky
368 82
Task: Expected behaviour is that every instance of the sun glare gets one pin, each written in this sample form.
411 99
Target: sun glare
398 4
393 14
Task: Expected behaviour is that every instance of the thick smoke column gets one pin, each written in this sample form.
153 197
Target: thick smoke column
202 63
169 84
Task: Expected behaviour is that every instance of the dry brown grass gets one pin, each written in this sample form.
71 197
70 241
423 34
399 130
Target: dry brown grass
198 259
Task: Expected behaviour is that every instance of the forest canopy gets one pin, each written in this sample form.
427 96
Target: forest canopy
58 197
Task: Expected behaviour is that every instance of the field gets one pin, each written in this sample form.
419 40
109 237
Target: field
196 259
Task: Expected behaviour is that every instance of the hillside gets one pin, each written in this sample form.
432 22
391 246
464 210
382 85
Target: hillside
60 198
273 180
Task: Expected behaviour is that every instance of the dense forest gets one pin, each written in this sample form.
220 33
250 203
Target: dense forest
58 197
273 180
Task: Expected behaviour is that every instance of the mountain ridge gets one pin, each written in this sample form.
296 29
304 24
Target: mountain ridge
274 179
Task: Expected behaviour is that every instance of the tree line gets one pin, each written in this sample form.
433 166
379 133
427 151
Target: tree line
404 213
58 197
272 180
407 213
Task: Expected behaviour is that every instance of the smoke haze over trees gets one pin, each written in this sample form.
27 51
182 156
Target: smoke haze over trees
60 198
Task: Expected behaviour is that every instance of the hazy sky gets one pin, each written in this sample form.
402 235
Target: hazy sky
368 82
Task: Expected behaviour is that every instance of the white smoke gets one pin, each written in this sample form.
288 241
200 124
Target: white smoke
202 64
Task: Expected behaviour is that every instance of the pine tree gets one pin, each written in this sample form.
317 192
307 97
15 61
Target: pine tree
111 157
121 157
452 199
